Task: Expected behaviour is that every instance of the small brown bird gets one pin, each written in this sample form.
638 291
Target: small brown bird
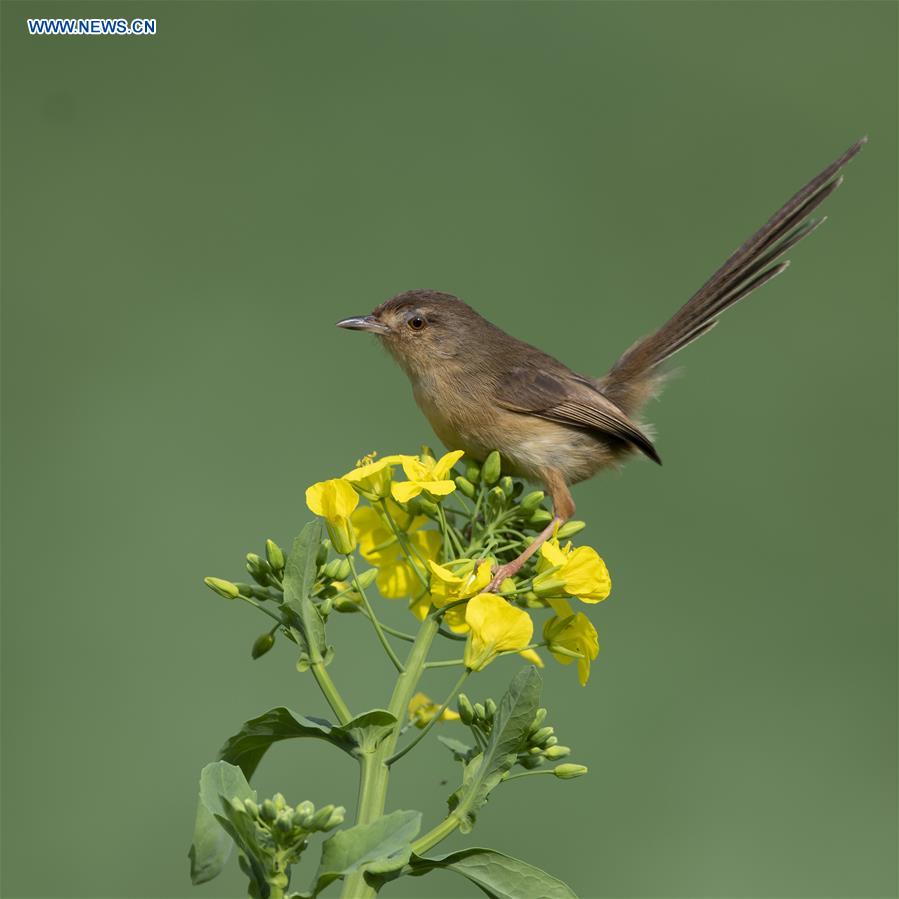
482 389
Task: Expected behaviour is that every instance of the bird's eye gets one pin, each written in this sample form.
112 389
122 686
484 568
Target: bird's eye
416 323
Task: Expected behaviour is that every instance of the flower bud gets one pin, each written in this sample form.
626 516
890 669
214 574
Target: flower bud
321 818
496 500
550 741
251 807
530 761
342 535
368 577
303 813
491 469
531 501
336 818
539 718
322 555
345 604
222 587
490 709
480 713
259 569
570 528
421 505
268 812
507 586
566 772
540 518
554 753
465 487
507 485
466 711
284 825
473 472
275 555
263 643
541 735
337 569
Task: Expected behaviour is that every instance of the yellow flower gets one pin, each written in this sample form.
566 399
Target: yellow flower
531 656
379 546
574 632
429 476
447 588
335 501
581 572
422 710
496 626
372 477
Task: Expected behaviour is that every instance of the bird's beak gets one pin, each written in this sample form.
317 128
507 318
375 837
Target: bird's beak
364 323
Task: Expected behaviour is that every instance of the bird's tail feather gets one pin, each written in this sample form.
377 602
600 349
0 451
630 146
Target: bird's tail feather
633 377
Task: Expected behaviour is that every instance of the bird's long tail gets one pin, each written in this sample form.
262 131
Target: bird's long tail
633 378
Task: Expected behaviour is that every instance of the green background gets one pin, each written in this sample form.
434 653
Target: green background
185 217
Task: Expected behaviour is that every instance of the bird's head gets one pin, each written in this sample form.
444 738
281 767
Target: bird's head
422 329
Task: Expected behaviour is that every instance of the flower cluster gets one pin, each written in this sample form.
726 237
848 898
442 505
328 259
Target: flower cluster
430 533
434 536
274 835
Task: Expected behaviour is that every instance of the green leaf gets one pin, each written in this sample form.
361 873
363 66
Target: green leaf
499 876
461 751
299 576
367 730
510 728
247 747
381 847
211 845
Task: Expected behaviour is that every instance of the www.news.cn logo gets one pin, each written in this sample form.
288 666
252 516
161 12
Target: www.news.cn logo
91 26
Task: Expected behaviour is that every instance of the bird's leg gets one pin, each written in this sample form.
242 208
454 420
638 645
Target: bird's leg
563 509
510 569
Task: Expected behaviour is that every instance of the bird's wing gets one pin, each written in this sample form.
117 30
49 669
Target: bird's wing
568 399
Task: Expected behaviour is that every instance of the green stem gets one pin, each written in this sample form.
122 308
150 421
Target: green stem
374 770
400 635
449 663
529 774
451 635
331 693
423 732
263 609
373 618
433 837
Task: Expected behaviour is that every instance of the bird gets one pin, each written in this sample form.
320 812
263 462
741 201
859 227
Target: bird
482 389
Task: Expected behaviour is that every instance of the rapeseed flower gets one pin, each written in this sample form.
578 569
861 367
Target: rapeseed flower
495 626
578 572
573 632
450 586
430 476
372 477
422 710
380 547
335 501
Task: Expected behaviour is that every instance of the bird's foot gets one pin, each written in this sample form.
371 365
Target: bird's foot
510 569
501 572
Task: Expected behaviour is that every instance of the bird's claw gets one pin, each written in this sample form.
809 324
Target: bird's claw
500 573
